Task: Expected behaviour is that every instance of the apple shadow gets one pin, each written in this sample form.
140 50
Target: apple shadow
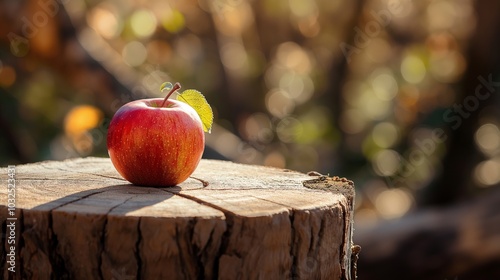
114 199
91 224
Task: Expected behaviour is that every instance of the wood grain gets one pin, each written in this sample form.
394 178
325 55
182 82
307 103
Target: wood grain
78 219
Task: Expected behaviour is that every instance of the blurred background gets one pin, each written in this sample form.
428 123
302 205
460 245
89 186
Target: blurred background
399 96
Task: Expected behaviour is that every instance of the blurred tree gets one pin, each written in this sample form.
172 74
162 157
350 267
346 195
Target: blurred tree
456 181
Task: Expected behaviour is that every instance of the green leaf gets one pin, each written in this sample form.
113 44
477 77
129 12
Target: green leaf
196 100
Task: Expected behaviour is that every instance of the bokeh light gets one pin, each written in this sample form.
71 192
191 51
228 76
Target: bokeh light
78 123
393 203
232 20
275 159
386 162
385 134
292 56
289 129
134 53
413 69
7 76
257 127
103 19
384 84
447 67
488 139
143 23
174 21
278 103
234 56
81 119
441 15
487 173
300 88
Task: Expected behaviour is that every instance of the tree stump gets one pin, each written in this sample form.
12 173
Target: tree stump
79 219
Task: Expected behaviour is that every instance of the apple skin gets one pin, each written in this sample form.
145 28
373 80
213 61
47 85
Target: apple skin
151 145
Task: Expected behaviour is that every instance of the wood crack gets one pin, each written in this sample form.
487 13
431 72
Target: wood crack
273 202
228 215
345 248
103 233
56 260
198 200
137 249
293 246
198 250
77 199
181 253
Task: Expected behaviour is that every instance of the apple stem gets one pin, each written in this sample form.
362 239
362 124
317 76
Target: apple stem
174 88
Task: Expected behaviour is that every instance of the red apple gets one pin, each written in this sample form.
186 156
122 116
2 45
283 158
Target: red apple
156 142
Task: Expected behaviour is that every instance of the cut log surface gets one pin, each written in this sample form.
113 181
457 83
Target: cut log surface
79 219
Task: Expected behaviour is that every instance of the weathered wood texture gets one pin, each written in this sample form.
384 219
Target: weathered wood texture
79 219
